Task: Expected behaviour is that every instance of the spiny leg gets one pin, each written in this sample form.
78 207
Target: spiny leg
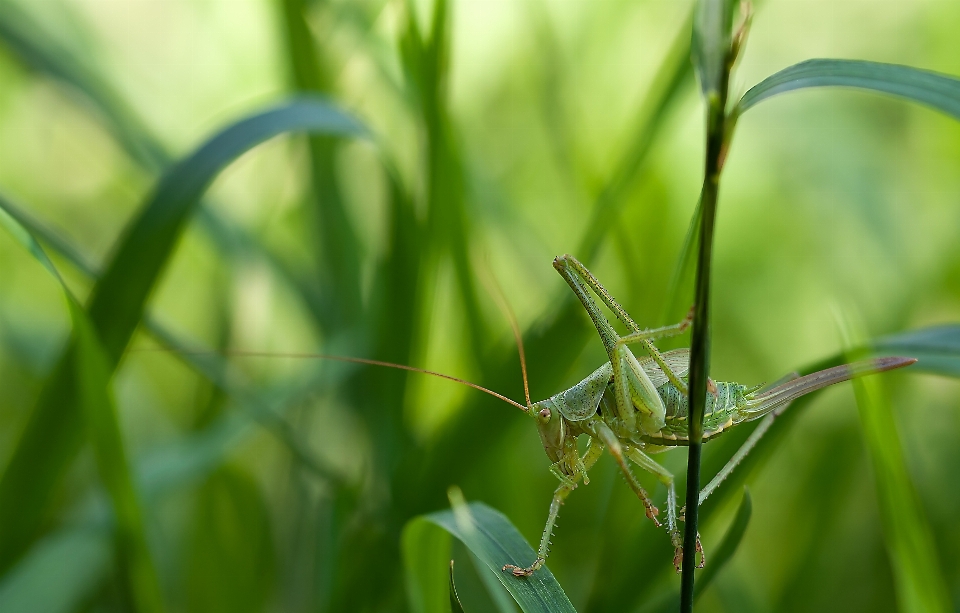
544 550
567 485
616 450
647 463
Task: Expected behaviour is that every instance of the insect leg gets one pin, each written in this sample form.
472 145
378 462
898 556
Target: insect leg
616 450
647 463
590 457
577 275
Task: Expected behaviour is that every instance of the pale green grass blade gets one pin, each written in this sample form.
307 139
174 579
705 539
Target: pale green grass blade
937 91
919 584
493 540
53 433
426 560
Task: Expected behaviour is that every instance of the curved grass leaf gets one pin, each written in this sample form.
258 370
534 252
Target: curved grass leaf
53 433
493 540
92 378
937 91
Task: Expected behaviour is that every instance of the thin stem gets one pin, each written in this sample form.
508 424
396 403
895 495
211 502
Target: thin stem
700 342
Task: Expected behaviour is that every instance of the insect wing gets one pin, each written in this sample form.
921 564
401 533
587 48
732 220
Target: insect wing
678 360
580 402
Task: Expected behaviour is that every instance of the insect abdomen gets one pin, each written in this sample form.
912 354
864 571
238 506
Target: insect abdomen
721 412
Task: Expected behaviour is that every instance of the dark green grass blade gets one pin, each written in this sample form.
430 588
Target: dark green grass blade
937 91
494 541
54 431
92 374
919 584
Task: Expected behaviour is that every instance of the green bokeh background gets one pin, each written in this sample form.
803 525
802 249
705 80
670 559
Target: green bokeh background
834 204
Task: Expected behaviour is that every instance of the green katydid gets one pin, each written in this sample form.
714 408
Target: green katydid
633 407
637 406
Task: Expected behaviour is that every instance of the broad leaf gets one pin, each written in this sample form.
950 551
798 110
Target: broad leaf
493 540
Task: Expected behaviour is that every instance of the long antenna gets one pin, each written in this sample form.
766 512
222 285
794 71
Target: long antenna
504 305
338 358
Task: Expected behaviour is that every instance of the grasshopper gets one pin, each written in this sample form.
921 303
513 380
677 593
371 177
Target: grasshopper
634 406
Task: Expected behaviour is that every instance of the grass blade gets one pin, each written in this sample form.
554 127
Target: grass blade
920 586
78 558
728 546
92 376
937 91
494 541
53 433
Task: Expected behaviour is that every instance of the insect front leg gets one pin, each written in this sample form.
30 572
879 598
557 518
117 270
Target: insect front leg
567 485
616 450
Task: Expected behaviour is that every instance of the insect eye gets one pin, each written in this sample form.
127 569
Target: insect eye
545 413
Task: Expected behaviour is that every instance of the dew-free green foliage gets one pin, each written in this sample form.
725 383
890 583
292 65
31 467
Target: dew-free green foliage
453 143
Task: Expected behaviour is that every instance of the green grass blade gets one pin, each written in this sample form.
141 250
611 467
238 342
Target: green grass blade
494 541
728 546
919 584
92 375
77 557
118 298
53 433
937 91
426 560
339 248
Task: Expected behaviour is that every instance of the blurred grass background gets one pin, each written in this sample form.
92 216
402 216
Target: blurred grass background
506 133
